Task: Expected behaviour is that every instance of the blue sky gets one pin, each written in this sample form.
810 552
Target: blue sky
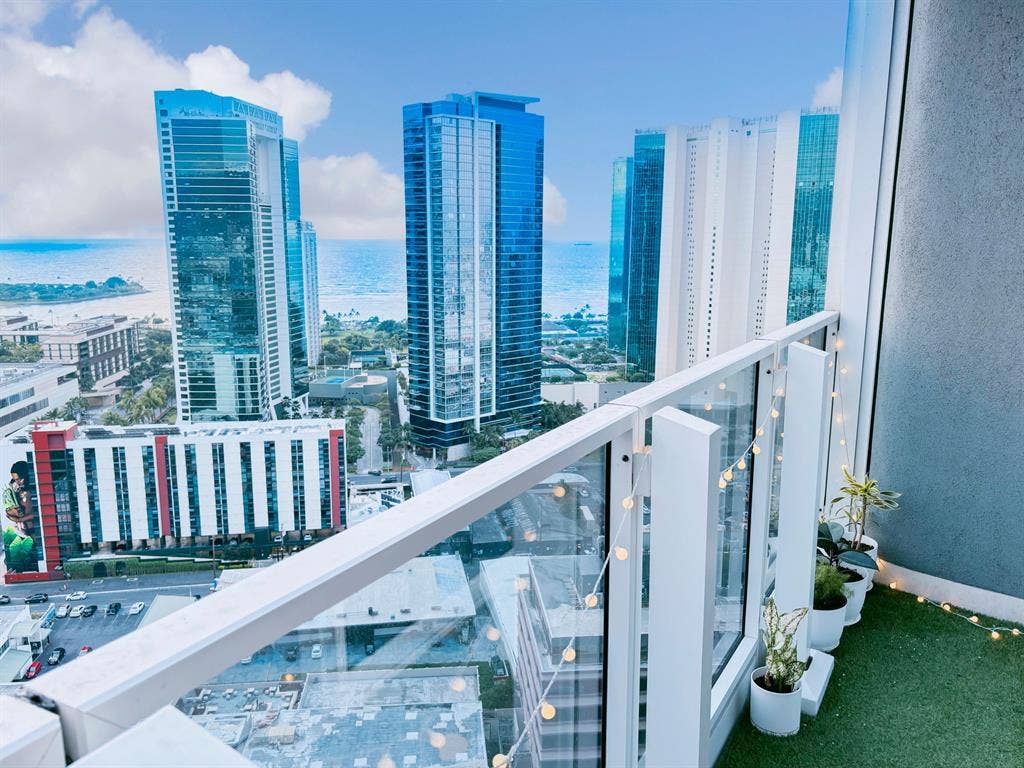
600 69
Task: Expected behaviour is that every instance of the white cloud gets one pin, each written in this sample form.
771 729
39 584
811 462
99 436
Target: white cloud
82 7
829 92
556 208
79 144
352 197
21 15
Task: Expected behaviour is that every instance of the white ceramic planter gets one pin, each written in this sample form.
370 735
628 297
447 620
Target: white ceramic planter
855 593
867 573
777 714
827 628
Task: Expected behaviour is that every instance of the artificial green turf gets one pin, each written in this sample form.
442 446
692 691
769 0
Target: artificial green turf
912 686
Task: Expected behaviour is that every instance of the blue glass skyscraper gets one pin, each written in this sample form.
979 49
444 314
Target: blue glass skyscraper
618 251
231 206
812 214
644 253
474 169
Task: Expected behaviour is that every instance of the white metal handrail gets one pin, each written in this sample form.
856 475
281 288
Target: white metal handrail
114 687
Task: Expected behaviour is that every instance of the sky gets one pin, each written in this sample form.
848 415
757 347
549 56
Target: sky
77 135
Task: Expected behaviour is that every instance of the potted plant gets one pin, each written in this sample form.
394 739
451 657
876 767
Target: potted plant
775 687
838 551
857 498
828 615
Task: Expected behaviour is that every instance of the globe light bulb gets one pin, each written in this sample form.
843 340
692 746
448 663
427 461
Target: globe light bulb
458 684
844 370
521 584
590 600
728 475
780 391
493 634
840 343
547 711
842 441
569 654
775 413
778 457
920 598
530 535
741 464
499 761
647 449
831 364
621 553
892 585
386 762
835 393
947 607
755 449
760 431
721 385
558 491
995 635
839 418
707 406
1015 632
721 482
437 740
974 619
628 502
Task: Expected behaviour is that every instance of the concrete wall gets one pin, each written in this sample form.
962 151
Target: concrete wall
949 410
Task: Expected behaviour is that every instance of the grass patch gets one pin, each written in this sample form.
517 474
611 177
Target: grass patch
912 687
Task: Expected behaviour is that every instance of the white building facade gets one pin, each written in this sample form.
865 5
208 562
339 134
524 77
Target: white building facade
310 273
28 390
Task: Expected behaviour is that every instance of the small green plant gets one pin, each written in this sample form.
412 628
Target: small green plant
785 668
858 498
828 587
836 550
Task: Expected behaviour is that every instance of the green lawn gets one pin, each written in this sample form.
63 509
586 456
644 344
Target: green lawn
912 687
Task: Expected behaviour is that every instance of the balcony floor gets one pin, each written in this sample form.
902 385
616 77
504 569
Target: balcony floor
912 687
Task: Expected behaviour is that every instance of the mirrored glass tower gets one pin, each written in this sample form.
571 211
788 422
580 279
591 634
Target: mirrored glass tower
474 167
234 244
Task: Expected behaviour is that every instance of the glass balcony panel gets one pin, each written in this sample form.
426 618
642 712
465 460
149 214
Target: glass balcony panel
446 658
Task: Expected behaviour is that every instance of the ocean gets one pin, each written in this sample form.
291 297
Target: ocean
365 277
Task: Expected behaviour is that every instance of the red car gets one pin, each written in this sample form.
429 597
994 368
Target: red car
33 669
84 650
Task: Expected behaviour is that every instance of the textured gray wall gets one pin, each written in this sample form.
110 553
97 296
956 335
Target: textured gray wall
949 417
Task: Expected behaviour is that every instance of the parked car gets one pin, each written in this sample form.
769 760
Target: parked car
76 611
317 652
33 669
63 611
38 597
84 650
136 608
5 599
77 595
291 654
56 657
246 660
498 668
278 539
369 648
113 608
307 537
89 611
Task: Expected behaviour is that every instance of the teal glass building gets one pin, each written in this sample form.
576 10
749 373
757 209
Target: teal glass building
474 169
644 254
230 189
618 251
812 214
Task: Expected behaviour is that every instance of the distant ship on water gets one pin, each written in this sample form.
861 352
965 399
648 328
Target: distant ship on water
582 242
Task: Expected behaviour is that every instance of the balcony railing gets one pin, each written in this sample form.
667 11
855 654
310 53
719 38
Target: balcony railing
643 565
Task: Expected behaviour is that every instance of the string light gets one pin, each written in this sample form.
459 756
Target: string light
760 432
994 632
722 386
590 600
995 635
621 553
755 449
707 406
493 634
437 740
780 391
547 711
458 684
974 619
728 475
775 413
386 762
558 491
741 464
920 598
569 654
892 585
778 457
499 761
628 502
721 482
844 370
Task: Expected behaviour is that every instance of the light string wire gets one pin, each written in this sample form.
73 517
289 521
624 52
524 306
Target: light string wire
995 631
543 708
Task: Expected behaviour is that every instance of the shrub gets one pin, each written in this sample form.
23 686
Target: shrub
828 588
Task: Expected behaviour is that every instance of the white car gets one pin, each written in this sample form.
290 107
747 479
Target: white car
136 608
317 652
79 595
76 611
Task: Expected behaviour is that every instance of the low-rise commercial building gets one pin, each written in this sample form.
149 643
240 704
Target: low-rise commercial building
28 390
99 488
103 348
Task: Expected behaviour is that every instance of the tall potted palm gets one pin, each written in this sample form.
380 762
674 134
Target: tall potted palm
857 498
775 687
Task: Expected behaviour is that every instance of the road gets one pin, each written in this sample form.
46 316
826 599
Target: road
373 457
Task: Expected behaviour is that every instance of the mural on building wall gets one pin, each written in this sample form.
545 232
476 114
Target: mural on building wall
20 512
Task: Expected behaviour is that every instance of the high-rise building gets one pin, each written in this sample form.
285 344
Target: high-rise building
474 167
728 235
234 246
311 275
618 251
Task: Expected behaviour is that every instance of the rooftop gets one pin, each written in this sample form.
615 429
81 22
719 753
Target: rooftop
21 373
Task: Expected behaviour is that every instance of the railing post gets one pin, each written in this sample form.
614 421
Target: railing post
806 429
622 663
684 524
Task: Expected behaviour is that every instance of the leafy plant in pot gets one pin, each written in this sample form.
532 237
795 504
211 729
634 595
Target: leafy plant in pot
775 687
828 615
857 499
838 552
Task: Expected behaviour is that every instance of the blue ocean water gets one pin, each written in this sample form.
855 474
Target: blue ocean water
364 276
